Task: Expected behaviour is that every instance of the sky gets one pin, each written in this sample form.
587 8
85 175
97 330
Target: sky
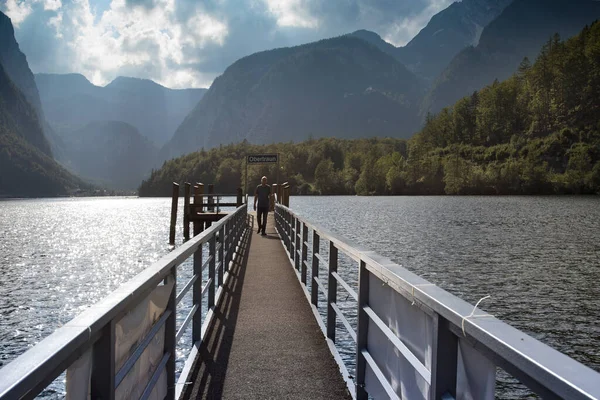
188 43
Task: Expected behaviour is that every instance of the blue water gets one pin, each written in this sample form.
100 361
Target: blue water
538 257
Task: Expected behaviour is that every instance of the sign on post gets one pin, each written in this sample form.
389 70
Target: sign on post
263 158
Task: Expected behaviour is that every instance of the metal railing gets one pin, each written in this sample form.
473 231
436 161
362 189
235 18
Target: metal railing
94 329
544 370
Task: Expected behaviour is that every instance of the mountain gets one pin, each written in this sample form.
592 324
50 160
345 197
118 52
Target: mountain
16 68
26 170
110 153
342 87
447 33
71 102
518 32
377 41
535 133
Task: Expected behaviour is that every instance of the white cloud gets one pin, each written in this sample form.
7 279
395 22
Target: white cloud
292 13
140 41
403 30
184 43
17 10
52 5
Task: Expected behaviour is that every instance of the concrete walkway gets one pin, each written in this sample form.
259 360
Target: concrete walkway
265 343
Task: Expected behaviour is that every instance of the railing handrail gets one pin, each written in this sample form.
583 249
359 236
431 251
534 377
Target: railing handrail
544 369
57 351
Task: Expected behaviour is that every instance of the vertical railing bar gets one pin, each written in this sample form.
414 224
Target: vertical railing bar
196 296
304 253
221 256
297 247
331 290
292 241
211 271
103 364
170 335
362 330
314 272
444 357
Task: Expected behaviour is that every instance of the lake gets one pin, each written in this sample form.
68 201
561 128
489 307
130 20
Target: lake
537 257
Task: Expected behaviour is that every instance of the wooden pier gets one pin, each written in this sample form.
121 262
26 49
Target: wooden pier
257 329
263 346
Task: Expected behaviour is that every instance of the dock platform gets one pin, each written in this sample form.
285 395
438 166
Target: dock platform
265 342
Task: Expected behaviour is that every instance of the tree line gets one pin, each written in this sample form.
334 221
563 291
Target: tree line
535 133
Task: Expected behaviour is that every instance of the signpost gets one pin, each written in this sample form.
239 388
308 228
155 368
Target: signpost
262 159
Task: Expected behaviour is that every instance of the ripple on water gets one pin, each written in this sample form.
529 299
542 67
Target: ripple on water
538 257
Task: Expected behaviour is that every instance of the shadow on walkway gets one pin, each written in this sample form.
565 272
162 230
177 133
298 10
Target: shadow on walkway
210 368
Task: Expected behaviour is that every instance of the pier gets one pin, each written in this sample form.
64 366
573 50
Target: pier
266 320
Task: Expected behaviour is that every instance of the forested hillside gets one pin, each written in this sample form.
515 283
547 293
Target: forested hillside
537 132
519 31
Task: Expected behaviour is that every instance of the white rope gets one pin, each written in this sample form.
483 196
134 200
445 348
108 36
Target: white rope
472 315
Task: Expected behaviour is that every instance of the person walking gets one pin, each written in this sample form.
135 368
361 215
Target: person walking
262 196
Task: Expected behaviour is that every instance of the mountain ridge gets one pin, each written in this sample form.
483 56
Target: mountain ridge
519 31
71 101
27 171
295 92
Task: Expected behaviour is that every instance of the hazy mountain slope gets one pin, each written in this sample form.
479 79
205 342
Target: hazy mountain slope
24 169
518 32
342 87
16 68
71 101
447 33
110 153
377 41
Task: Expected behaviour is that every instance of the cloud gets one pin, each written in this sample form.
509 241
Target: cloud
187 43
18 11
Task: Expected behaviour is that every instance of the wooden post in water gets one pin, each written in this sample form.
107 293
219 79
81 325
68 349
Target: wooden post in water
240 197
286 194
186 211
274 195
211 202
280 193
272 198
174 200
198 199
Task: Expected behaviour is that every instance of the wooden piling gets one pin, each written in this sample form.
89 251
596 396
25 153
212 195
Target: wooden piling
186 211
174 201
273 195
280 194
286 194
240 197
198 199
210 201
